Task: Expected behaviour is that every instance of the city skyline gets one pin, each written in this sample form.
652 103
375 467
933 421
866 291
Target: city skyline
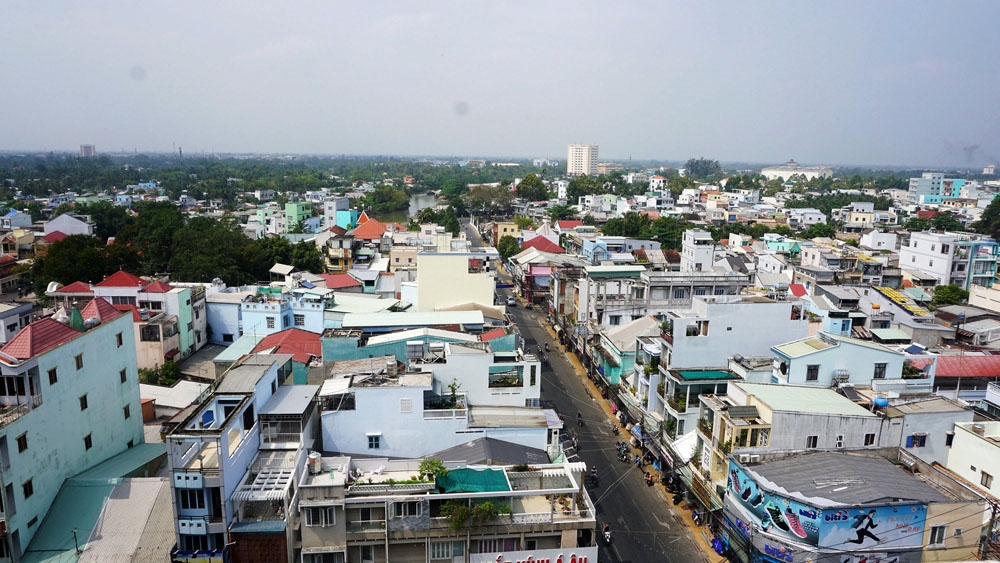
851 84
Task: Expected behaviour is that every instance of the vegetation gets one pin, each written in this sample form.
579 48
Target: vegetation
433 467
523 222
507 246
949 295
386 199
532 188
165 375
989 221
461 515
560 212
941 221
446 217
703 168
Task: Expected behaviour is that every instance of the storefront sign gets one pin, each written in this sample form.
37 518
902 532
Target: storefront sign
576 555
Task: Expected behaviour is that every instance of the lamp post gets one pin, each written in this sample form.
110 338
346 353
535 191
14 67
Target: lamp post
76 544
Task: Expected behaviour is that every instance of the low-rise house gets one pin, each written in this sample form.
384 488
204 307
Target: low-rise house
847 507
70 224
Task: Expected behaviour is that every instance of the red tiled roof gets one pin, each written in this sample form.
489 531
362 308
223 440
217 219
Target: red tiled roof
301 344
54 236
373 229
158 287
38 338
75 287
100 308
797 289
926 214
653 215
569 223
363 218
7 259
491 334
121 278
963 366
339 281
337 230
126 308
543 244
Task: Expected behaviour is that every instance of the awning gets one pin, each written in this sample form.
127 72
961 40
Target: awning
637 431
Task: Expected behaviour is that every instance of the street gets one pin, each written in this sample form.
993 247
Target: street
644 523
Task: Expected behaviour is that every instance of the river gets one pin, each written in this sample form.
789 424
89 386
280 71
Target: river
417 202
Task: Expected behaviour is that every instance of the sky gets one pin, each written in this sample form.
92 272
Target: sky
911 83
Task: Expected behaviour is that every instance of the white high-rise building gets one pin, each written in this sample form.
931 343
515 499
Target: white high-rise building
582 159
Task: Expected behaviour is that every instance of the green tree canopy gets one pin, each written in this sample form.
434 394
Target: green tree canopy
989 221
702 168
949 295
507 246
532 188
560 212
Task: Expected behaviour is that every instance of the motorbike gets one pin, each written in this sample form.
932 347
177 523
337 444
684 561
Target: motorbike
678 498
614 428
607 534
593 478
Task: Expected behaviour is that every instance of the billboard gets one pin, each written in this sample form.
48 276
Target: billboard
882 527
848 529
574 555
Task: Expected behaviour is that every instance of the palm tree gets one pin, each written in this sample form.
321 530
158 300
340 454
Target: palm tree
558 212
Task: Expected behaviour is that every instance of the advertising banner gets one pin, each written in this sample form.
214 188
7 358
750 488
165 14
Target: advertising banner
846 529
775 514
884 527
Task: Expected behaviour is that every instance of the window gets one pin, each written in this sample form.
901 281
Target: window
406 405
373 442
497 544
447 549
913 258
870 439
812 442
79 361
127 411
812 372
916 441
83 402
300 320
227 337
367 553
88 441
22 442
119 340
53 378
123 376
615 320
880 370
839 442
949 437
270 322
409 508
937 536
930 262
320 516
28 488
191 499
532 378
986 480
33 521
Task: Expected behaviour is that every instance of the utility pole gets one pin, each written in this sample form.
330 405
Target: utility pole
986 543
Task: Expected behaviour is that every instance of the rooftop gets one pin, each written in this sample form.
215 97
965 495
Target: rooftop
39 337
513 417
121 278
699 375
290 399
803 399
830 479
431 318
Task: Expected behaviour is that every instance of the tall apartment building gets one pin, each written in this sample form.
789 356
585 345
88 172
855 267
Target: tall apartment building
581 159
71 402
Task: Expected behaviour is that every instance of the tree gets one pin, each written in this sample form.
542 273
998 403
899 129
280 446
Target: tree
560 212
507 246
532 188
989 221
819 230
631 225
583 185
949 295
152 234
307 257
589 220
941 221
702 168
524 222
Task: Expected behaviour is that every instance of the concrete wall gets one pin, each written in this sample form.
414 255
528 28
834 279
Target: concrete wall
858 360
936 425
56 429
972 455
733 328
790 430
223 318
443 281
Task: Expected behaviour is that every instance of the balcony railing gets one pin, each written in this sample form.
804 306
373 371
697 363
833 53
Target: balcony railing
362 526
281 437
12 413
678 405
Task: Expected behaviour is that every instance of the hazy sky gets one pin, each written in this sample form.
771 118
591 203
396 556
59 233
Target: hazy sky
822 82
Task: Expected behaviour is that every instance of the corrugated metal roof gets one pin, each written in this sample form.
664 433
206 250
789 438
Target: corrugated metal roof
963 366
241 379
290 399
182 394
427 318
123 522
858 479
803 399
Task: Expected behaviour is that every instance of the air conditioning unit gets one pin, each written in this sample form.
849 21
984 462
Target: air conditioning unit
755 459
744 458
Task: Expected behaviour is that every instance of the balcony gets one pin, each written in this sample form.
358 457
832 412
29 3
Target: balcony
205 556
677 404
365 526
10 413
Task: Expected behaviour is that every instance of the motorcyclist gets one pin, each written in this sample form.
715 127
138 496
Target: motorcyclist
593 474
607 533
579 418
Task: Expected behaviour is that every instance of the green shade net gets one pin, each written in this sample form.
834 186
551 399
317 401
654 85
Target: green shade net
472 481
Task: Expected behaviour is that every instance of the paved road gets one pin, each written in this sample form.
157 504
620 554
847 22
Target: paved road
644 527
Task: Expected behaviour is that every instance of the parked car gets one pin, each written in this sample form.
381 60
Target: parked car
511 302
